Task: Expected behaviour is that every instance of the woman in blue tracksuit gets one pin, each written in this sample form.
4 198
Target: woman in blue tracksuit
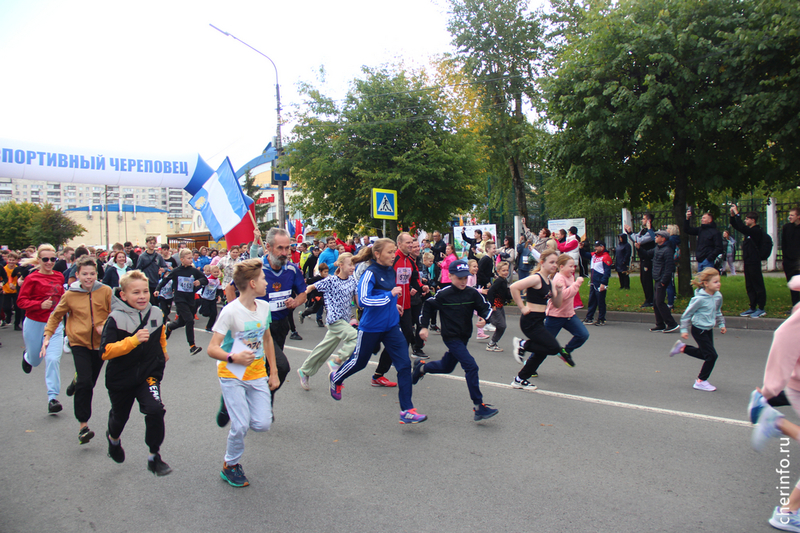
380 323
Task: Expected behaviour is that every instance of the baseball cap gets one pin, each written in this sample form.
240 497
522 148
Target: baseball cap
600 243
459 268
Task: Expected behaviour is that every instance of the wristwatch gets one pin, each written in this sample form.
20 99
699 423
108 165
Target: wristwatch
230 358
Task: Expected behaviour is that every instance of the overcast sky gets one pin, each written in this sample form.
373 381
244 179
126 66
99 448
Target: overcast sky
155 77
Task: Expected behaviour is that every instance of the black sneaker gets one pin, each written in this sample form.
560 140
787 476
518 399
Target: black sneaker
484 411
26 366
54 406
71 386
599 322
646 304
157 466
115 451
656 329
17 328
420 354
194 350
434 328
418 372
222 415
295 336
169 330
588 320
319 323
85 435
567 358
302 317
676 327
234 475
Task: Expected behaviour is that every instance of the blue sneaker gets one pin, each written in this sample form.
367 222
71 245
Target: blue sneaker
758 313
234 475
418 373
784 521
484 411
336 390
757 403
748 312
766 429
411 417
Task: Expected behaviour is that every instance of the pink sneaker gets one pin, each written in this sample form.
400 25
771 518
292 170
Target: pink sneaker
482 336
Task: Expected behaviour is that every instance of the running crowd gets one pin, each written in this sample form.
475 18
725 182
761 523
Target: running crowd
380 297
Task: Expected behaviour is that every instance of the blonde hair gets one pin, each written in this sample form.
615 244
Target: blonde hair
184 252
35 260
552 244
129 277
489 243
545 255
471 261
347 256
673 229
706 275
502 264
563 259
426 256
246 271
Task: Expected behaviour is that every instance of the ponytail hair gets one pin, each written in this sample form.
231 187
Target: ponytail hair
563 259
364 254
702 277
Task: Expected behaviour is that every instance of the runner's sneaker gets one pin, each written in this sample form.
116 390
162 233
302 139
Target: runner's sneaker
85 435
435 328
336 390
588 320
115 451
482 336
489 327
71 387
295 336
518 352
222 415
383 382
418 372
677 348
411 417
303 380
193 350
26 366
420 354
319 323
785 521
704 385
757 403
169 330
676 327
656 329
334 366
492 347
523 384
767 428
484 411
599 322
567 358
234 475
54 406
157 466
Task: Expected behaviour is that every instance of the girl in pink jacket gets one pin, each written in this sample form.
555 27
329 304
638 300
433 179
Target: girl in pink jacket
564 316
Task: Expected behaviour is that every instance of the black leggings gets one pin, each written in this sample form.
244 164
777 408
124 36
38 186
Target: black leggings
704 350
540 343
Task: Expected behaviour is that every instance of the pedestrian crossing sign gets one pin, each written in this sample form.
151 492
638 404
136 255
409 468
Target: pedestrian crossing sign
384 204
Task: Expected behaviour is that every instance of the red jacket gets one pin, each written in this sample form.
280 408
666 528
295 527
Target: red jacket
37 288
407 277
347 247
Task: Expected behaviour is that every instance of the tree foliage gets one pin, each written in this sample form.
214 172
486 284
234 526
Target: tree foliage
391 133
53 226
15 221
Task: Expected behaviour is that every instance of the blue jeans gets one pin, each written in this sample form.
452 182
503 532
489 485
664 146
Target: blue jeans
706 263
457 353
554 324
33 334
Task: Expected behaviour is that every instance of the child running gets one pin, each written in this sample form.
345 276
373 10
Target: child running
782 374
456 304
497 296
380 323
540 342
134 343
86 304
703 313
242 345
209 296
563 316
339 291
185 279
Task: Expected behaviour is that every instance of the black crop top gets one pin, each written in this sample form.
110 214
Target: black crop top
540 295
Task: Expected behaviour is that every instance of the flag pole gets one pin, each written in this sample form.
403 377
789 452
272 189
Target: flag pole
256 226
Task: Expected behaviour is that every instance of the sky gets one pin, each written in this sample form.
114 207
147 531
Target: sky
155 77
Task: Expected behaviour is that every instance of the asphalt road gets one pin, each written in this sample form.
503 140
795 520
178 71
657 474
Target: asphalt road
619 443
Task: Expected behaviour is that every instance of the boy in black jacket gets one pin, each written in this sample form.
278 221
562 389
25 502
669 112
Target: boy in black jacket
456 305
185 279
135 345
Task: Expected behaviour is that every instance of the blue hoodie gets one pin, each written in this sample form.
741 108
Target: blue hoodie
703 312
375 296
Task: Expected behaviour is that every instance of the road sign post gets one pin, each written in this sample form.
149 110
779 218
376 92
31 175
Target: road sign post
384 205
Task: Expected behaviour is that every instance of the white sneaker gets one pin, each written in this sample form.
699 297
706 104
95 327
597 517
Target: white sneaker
784 521
491 347
704 385
676 349
517 352
766 429
303 380
524 385
489 327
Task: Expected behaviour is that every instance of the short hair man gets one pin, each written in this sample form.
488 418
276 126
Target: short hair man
753 278
790 246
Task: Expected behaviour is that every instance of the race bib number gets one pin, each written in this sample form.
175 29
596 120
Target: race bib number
210 290
166 291
185 284
277 300
403 275
249 340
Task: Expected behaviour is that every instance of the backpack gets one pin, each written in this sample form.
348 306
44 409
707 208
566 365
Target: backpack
765 247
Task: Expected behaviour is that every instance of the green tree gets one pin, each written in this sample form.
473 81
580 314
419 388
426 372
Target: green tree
389 133
500 43
15 221
643 101
53 226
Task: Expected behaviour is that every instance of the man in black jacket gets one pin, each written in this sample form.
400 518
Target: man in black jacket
753 278
790 247
152 264
709 240
663 269
645 241
438 248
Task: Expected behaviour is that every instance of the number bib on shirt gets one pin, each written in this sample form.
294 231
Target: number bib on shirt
185 284
403 275
277 300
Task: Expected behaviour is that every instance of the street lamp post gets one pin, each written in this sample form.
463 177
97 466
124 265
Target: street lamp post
281 204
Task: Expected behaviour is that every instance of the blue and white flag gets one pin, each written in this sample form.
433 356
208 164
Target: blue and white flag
221 201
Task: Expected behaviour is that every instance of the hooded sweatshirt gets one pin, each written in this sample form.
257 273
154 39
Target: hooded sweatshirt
783 362
703 312
130 362
87 310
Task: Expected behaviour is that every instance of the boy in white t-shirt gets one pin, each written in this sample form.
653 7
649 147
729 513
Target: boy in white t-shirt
243 346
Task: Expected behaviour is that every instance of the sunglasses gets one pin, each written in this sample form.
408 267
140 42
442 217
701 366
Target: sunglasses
48 259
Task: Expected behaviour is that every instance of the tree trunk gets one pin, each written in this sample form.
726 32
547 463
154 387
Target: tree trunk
515 165
679 214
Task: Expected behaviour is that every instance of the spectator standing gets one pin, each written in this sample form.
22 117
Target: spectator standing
709 240
646 239
663 260
729 243
753 278
524 258
790 246
622 261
